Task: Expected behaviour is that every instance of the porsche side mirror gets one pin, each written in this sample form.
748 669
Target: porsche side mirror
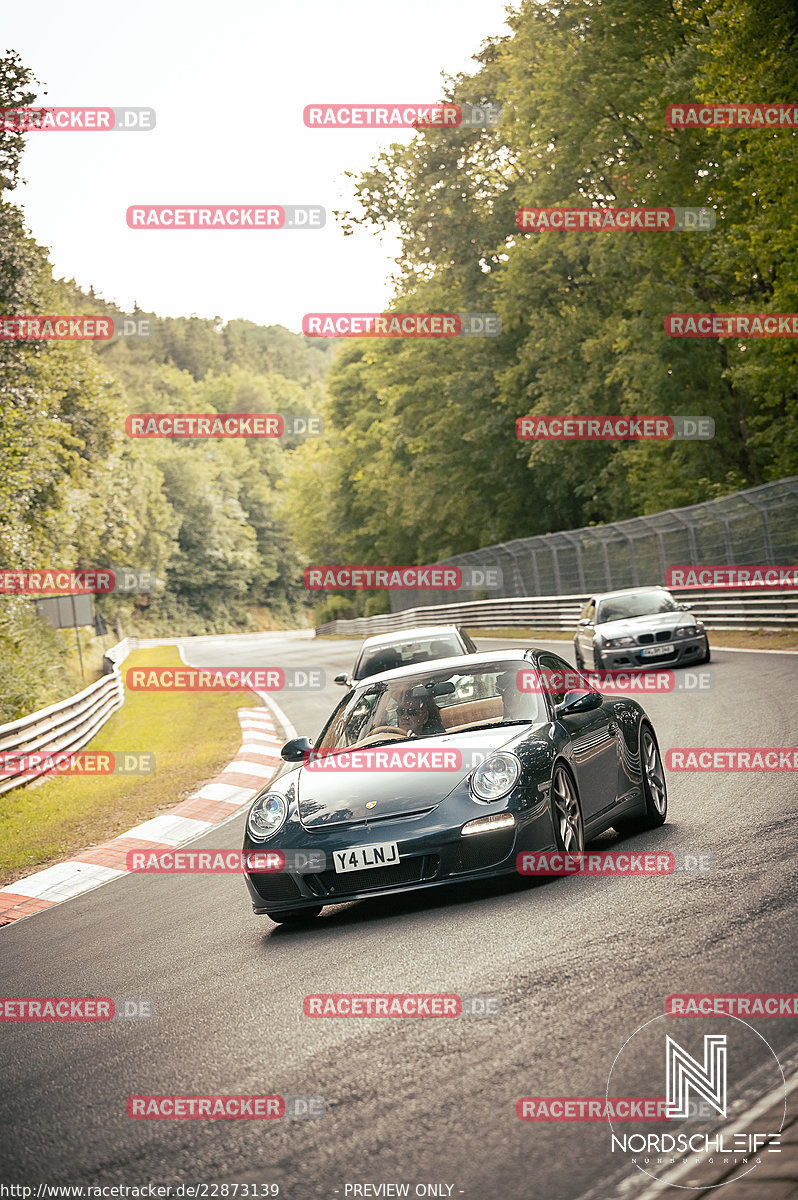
578 702
296 749
342 679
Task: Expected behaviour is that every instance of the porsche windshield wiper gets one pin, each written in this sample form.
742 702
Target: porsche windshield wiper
490 724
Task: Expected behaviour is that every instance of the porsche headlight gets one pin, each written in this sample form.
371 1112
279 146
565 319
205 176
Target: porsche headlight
619 641
267 815
495 777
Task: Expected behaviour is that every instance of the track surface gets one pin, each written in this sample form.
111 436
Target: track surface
578 963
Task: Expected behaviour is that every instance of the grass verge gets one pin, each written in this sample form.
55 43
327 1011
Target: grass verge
192 735
741 639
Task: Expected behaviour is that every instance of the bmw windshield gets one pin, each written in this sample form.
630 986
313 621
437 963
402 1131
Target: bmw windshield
637 604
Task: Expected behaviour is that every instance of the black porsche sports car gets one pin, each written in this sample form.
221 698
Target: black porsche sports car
444 772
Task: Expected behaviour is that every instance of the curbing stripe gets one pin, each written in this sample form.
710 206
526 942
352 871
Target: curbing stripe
256 762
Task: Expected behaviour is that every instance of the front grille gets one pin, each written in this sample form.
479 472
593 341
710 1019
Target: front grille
275 887
483 849
653 659
662 635
407 870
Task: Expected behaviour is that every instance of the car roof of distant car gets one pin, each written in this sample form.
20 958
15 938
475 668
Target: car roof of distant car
460 662
652 587
407 635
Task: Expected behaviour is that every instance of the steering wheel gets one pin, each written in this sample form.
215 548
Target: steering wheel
380 731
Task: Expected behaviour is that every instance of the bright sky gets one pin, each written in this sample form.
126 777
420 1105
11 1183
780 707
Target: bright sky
228 80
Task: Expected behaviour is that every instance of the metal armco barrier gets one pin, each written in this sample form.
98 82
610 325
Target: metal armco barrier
740 609
756 526
69 724
116 655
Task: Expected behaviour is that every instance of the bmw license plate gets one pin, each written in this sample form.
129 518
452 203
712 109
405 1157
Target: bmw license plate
384 854
651 651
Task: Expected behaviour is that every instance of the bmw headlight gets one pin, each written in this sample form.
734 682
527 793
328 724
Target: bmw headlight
687 631
495 777
620 641
267 815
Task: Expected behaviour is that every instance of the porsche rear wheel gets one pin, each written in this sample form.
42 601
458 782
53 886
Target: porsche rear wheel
655 788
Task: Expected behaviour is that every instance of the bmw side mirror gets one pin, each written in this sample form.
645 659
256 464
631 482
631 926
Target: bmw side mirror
578 702
584 621
296 749
342 679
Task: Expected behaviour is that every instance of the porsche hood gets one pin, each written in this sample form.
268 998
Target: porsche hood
410 777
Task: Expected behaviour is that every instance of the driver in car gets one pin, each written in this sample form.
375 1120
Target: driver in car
419 716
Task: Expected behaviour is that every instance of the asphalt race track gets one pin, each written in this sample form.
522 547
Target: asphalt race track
578 964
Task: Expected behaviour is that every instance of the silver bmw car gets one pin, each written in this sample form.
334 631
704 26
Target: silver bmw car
638 628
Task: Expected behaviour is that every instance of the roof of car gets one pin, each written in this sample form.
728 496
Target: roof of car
651 587
407 635
459 661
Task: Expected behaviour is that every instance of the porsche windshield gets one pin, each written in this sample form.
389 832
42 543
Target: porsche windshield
431 704
638 604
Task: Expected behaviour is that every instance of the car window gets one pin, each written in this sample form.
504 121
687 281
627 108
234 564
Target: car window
406 654
588 611
636 604
559 678
416 704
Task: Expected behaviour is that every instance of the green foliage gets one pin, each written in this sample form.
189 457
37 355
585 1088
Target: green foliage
206 517
422 459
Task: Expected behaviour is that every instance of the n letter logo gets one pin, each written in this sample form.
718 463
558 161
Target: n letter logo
684 1074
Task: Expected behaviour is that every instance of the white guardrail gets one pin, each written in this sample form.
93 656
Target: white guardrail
742 609
69 724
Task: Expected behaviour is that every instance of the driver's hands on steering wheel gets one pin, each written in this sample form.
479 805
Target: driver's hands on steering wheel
379 731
